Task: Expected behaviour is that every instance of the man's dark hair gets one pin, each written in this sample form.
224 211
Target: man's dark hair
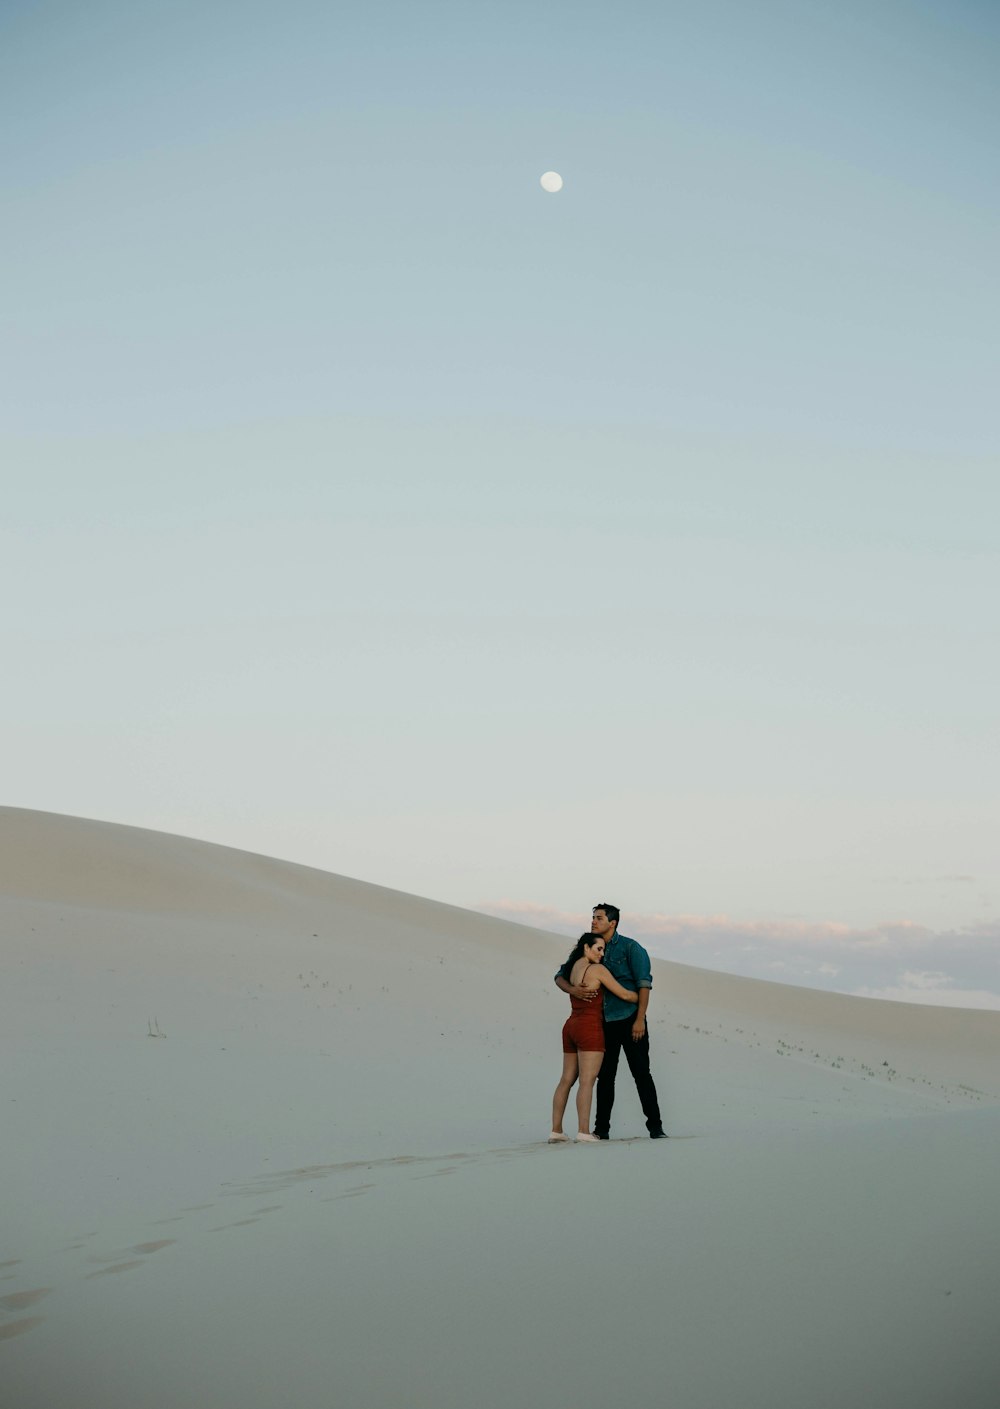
612 911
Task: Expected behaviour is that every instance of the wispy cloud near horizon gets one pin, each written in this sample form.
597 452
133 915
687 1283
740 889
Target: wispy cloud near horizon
898 960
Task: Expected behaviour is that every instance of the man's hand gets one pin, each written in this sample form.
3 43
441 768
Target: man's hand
638 1029
587 994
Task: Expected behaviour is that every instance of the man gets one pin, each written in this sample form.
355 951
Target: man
624 1023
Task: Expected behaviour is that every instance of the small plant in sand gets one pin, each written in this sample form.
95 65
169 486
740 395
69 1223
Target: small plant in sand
154 1028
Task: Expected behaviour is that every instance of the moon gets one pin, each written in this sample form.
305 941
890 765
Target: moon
551 182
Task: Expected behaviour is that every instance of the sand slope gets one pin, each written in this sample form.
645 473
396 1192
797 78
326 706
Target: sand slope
325 1183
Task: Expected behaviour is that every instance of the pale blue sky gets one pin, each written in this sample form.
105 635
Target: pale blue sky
367 506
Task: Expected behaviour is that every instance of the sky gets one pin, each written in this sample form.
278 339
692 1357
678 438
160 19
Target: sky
367 506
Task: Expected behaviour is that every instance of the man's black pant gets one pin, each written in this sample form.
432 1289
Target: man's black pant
616 1036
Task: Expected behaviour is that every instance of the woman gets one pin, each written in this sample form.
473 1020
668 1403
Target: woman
583 1036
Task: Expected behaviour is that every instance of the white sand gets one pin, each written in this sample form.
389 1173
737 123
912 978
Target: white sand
326 1185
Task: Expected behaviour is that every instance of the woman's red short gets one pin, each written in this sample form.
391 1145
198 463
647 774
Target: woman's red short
584 1032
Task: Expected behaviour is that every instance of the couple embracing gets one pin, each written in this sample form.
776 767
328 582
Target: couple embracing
608 979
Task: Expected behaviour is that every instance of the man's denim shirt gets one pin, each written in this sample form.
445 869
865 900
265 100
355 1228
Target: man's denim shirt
628 962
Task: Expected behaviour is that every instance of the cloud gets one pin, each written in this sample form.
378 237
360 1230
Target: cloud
898 959
926 980
943 994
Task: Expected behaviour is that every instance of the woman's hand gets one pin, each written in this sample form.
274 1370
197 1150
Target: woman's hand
603 976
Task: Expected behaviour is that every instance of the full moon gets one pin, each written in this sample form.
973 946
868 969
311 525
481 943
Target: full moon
552 182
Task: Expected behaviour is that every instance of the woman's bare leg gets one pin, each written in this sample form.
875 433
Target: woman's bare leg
590 1065
561 1096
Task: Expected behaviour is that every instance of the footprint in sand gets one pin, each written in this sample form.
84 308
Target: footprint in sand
20 1301
17 1328
123 1266
349 1193
144 1248
240 1223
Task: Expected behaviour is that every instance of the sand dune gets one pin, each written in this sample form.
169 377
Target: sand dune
326 1182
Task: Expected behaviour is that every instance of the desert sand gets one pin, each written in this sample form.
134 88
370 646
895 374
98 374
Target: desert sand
327 1182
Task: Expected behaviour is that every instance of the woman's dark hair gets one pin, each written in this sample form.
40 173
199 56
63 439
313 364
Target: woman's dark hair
577 952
